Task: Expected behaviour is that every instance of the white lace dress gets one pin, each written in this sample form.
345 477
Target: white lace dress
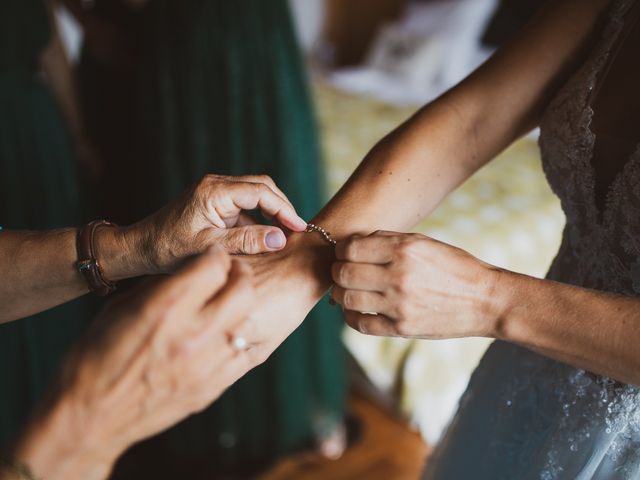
525 416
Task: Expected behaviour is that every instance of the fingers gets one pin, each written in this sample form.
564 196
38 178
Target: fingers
253 239
232 304
379 325
359 301
267 180
376 248
247 196
195 284
360 276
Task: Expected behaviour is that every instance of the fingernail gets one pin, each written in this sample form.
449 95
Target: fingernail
301 223
275 240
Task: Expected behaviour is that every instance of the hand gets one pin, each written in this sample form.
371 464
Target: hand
288 284
212 213
416 286
153 357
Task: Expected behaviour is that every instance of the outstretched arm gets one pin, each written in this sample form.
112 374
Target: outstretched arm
410 171
38 268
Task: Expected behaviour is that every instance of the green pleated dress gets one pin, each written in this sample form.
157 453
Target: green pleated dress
38 190
220 87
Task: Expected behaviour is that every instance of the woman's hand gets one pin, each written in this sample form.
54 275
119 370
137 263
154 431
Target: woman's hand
154 357
409 285
210 213
288 284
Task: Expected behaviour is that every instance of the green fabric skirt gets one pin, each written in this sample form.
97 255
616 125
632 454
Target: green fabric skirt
220 88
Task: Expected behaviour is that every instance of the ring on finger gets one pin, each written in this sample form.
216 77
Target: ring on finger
238 343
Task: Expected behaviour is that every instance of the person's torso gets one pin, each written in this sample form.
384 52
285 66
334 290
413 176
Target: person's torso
595 174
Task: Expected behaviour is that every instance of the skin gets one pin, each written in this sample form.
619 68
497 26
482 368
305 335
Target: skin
39 270
153 357
414 168
422 288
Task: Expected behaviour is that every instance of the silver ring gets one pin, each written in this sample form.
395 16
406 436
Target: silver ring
239 343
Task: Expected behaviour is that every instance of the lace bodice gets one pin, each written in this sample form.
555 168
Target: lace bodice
600 249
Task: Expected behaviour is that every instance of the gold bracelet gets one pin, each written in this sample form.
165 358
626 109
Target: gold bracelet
326 235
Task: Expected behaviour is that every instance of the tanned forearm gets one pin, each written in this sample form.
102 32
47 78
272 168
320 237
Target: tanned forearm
409 173
39 268
596 331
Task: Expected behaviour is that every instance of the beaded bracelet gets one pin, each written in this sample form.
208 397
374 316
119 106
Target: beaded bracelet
326 235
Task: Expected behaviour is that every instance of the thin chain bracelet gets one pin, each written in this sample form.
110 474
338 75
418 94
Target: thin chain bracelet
326 235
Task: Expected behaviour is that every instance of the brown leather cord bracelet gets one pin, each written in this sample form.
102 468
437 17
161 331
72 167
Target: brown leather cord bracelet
87 263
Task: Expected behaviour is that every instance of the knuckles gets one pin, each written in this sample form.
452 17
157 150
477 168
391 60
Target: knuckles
402 283
350 249
349 300
207 181
346 274
403 329
402 313
337 273
211 179
265 179
409 246
249 242
362 326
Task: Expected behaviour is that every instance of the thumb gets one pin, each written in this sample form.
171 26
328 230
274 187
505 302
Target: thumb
253 239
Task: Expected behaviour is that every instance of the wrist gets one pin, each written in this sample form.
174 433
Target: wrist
288 284
124 252
302 267
500 295
309 257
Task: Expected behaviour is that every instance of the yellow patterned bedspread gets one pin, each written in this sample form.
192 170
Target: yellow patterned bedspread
505 215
